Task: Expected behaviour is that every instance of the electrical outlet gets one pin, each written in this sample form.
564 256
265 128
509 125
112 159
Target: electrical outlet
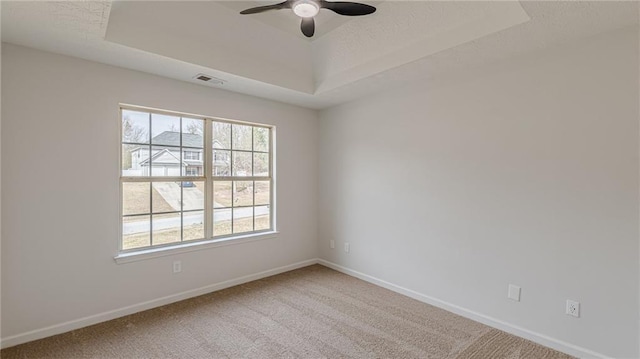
514 292
332 244
177 266
573 308
346 247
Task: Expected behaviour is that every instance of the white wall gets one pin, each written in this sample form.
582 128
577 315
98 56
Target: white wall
525 172
60 189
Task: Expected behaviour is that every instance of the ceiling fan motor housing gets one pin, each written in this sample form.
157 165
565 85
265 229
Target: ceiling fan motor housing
305 8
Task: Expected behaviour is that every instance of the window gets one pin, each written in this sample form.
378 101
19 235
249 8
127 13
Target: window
186 178
192 171
192 155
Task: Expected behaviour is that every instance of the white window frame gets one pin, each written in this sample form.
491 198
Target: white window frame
189 169
190 153
127 255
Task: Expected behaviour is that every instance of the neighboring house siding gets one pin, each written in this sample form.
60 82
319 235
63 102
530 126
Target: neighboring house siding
164 157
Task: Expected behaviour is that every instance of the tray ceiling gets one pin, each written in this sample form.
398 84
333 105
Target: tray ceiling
255 46
265 54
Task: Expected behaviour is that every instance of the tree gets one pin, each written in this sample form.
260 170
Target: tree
134 134
222 134
261 139
195 127
131 132
242 137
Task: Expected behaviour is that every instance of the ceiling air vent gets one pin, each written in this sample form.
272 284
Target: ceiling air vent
210 79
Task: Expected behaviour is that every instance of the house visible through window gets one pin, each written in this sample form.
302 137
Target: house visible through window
187 178
193 171
191 155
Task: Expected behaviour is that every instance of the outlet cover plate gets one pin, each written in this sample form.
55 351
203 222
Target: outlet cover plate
177 266
514 292
573 308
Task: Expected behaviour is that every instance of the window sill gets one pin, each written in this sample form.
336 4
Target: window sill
145 254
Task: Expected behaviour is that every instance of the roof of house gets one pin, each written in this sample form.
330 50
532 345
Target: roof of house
171 138
164 157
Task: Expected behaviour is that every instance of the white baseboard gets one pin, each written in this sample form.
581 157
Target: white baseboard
484 319
117 313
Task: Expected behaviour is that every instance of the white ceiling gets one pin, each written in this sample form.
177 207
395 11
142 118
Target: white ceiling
265 55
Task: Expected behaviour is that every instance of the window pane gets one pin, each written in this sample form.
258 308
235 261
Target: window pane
193 223
166 197
242 137
191 155
241 163
242 193
192 164
221 163
136 198
221 135
262 218
261 139
192 196
166 228
135 232
221 194
135 126
192 171
134 158
242 220
221 222
262 192
165 130
261 164
165 161
192 132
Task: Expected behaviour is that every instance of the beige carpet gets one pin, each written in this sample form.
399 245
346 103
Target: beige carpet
313 312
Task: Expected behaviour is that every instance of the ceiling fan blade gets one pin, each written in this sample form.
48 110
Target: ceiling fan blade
255 10
308 26
348 8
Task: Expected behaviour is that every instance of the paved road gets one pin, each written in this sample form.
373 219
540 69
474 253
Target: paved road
190 219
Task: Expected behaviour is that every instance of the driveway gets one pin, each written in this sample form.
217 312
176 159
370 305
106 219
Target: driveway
192 197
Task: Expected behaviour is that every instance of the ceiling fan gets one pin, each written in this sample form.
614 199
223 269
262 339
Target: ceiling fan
307 9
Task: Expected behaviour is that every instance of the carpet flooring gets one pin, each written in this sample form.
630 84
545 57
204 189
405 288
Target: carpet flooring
313 312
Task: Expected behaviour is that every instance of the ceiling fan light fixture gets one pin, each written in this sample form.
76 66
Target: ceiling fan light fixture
306 8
